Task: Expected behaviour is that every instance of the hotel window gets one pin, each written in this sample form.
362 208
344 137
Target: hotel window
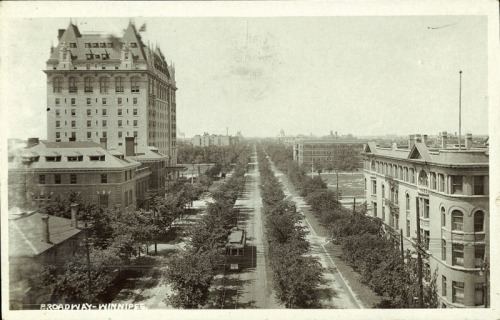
478 255
104 178
443 249
479 294
72 178
95 45
57 179
478 185
119 123
373 165
89 101
58 124
104 112
412 175
134 81
73 135
89 112
441 182
374 186
119 112
88 84
408 228
120 101
443 286
103 84
120 134
135 123
89 123
135 134
89 135
458 254
479 221
426 208
58 135
57 85
73 101
119 85
72 85
383 191
58 101
375 209
457 185
457 220
458 292
104 101
87 45
135 112
41 179
73 124
104 123
135 100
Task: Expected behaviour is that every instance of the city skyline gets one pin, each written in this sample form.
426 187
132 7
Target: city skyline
380 74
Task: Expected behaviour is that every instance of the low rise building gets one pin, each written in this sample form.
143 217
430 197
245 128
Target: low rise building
441 194
326 150
206 140
47 169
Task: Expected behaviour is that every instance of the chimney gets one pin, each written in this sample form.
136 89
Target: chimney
444 139
468 141
74 212
129 146
60 32
411 142
104 143
418 137
424 139
32 142
45 228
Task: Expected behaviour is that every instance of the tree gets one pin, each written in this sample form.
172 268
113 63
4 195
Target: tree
191 276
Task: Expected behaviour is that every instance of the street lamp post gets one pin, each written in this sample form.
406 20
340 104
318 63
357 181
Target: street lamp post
192 173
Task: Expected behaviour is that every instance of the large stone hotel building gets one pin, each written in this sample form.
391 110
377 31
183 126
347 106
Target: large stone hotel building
443 191
102 86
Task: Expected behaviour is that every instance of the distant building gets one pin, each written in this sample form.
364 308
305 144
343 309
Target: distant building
206 140
102 86
326 150
446 191
44 170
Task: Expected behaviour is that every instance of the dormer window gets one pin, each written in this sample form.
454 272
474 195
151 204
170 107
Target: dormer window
87 45
89 56
53 159
72 45
97 158
75 158
95 45
103 45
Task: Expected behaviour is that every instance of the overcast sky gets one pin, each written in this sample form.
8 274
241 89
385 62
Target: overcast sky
362 75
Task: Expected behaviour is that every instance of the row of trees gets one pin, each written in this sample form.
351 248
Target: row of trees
113 237
191 272
378 260
187 153
296 275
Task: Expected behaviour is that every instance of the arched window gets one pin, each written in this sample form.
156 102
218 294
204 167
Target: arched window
479 221
443 217
457 220
407 202
373 165
383 191
396 197
103 84
72 85
422 178
57 85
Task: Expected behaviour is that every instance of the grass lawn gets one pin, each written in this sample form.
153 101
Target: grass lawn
350 184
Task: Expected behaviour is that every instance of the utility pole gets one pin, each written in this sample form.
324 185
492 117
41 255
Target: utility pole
419 261
460 114
354 206
337 184
89 284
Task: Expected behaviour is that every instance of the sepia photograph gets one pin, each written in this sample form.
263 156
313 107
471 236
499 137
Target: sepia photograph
282 159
